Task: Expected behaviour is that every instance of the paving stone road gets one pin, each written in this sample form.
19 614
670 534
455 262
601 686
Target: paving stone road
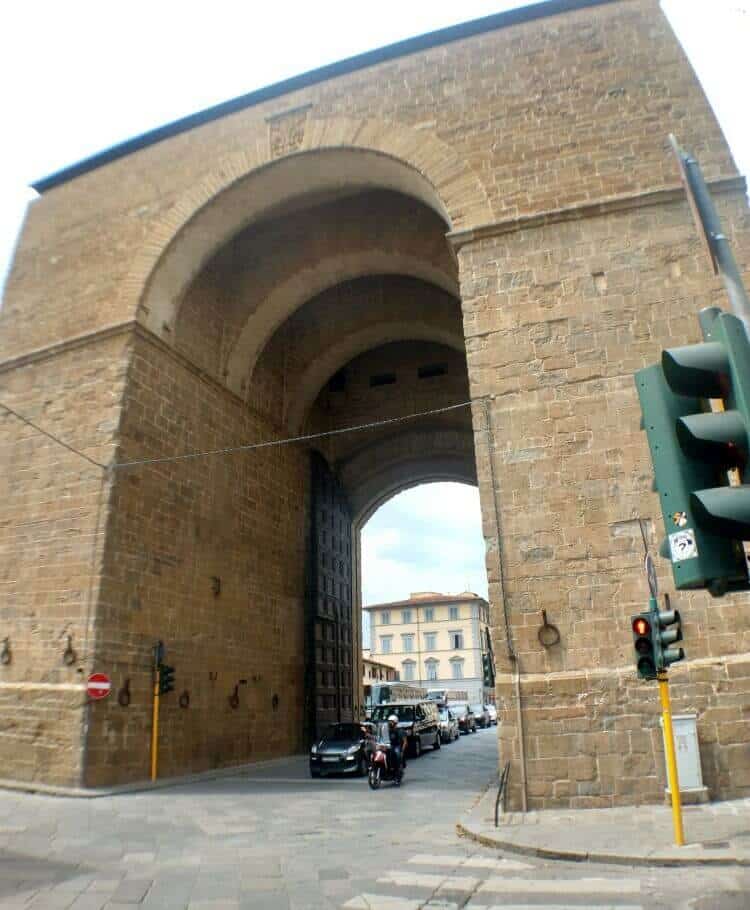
276 840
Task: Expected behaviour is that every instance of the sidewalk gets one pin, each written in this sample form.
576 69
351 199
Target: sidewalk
716 833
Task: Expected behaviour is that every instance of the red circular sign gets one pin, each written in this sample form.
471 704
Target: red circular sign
98 685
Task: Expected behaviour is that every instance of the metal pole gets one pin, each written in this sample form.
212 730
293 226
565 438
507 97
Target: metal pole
155 722
673 777
512 656
709 227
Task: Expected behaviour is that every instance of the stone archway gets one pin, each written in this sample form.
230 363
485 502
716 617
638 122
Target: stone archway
336 154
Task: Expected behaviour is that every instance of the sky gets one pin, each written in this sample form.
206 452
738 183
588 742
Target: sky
78 76
428 538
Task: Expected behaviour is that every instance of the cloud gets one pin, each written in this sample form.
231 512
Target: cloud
425 539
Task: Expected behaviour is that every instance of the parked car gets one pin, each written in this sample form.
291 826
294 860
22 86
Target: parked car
493 713
465 716
482 715
343 748
448 725
419 719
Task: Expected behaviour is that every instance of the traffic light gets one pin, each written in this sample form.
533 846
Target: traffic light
705 518
488 670
166 678
488 661
643 643
654 633
664 637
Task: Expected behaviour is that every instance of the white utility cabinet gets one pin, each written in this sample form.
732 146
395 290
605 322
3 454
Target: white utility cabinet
688 758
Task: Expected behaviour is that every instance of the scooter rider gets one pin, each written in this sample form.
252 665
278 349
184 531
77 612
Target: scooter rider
397 739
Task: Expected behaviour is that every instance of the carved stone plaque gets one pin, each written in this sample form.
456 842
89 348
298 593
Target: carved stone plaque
286 131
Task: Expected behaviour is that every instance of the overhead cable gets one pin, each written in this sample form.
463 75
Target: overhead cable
248 447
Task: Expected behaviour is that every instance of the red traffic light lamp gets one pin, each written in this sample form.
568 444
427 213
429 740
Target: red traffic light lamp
644 646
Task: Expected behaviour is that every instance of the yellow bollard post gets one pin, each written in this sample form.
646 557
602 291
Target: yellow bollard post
673 777
155 725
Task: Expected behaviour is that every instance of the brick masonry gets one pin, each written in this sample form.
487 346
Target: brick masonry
203 291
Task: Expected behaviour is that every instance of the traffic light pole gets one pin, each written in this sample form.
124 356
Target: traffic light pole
709 229
155 722
672 775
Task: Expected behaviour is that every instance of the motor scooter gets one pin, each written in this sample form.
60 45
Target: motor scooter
381 768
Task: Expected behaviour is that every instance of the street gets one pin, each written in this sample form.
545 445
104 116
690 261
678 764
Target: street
277 840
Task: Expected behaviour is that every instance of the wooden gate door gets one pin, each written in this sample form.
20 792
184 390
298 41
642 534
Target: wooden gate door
330 630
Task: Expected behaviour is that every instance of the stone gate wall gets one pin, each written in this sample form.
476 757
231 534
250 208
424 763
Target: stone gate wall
544 145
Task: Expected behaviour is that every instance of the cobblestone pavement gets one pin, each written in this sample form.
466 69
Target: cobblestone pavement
276 840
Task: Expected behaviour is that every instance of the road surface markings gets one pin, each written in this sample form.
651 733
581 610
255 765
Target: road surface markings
472 906
433 882
470 862
569 887
381 902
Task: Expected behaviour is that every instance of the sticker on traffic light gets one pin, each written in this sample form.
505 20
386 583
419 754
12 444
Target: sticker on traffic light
682 545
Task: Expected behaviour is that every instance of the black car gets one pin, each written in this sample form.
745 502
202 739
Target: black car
482 716
467 723
343 749
418 720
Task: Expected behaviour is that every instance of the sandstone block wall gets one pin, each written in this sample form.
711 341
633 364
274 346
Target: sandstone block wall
174 530
52 535
558 319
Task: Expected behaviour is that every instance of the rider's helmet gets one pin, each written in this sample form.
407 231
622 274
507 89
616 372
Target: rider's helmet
392 719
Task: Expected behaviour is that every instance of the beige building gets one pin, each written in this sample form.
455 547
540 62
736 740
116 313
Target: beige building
375 672
434 640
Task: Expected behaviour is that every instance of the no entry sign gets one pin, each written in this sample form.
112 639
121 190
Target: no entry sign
98 685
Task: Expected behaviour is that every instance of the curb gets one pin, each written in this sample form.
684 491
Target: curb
581 856
244 770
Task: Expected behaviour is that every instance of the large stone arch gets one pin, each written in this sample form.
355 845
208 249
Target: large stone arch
399 461
306 284
316 373
337 154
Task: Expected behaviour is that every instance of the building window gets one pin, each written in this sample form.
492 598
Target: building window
408 666
453 613
407 642
385 643
457 669
385 618
406 616
429 614
431 667
457 640
430 641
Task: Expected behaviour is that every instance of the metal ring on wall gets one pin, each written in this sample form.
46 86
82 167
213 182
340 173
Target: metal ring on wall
69 654
548 633
123 696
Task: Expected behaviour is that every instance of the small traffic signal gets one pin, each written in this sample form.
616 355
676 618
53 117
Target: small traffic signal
644 645
705 518
664 637
654 633
488 670
166 678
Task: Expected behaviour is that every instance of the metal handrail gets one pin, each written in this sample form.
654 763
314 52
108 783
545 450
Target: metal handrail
501 791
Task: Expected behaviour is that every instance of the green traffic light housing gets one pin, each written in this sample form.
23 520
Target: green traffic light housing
166 679
644 645
692 448
664 637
